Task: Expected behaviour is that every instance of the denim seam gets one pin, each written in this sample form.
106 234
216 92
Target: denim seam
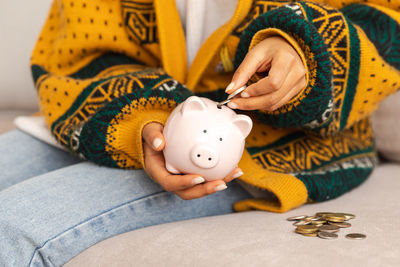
95 216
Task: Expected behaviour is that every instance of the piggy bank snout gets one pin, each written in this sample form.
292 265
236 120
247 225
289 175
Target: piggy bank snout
204 156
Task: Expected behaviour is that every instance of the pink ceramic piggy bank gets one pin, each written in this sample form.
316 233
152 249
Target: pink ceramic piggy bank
204 139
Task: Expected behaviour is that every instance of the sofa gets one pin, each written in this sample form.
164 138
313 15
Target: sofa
252 238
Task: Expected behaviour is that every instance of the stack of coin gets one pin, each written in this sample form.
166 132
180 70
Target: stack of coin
324 225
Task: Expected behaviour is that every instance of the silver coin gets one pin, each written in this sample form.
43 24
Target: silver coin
322 214
226 101
238 91
312 218
329 228
295 218
326 235
301 222
356 236
341 225
348 216
220 104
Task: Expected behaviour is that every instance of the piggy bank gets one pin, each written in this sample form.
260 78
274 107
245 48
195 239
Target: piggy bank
204 139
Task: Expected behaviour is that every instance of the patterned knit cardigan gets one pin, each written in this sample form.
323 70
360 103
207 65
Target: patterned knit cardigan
104 69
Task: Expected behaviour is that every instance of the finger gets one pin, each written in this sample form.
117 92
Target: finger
255 60
202 190
152 135
151 159
173 182
269 100
280 67
292 93
155 167
237 172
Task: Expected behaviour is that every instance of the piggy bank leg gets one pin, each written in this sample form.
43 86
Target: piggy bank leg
171 169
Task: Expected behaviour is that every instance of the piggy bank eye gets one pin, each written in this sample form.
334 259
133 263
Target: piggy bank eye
220 139
204 131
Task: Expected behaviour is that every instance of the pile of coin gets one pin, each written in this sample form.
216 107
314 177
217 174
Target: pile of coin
324 225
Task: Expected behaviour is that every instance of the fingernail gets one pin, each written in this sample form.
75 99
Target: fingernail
157 143
232 105
238 174
198 180
220 187
245 94
229 87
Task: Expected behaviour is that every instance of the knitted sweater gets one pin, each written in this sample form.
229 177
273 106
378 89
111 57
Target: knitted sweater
104 69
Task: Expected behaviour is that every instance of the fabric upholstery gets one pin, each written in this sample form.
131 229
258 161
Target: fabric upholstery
258 238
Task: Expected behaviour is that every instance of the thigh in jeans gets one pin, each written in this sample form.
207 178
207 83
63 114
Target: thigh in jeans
49 219
23 156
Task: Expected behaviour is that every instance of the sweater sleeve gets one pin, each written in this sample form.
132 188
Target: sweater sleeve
99 83
352 62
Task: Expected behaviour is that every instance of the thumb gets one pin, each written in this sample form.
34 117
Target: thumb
152 135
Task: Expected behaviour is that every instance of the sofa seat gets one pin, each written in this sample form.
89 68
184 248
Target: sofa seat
257 238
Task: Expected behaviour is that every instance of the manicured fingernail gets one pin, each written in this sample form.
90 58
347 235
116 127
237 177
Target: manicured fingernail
198 180
238 174
157 143
220 187
244 94
232 105
229 87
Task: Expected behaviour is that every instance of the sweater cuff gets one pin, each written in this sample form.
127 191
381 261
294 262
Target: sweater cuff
288 191
113 137
125 135
270 32
314 103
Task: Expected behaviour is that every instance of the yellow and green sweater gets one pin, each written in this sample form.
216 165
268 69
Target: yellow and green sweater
104 69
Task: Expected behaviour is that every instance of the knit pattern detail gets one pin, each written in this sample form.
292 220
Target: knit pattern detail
258 8
319 92
83 127
97 140
340 178
343 45
140 20
299 152
372 20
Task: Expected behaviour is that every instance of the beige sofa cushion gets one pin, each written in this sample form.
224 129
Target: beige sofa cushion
386 125
266 239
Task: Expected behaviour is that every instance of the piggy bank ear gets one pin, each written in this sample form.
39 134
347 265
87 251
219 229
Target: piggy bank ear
243 123
193 103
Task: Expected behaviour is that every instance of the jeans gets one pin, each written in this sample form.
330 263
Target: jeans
53 205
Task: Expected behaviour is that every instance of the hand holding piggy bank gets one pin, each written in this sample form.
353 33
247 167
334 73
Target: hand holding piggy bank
204 139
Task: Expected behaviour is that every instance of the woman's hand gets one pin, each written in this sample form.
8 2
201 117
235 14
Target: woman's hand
187 186
286 76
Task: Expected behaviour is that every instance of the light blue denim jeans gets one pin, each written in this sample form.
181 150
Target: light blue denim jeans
53 206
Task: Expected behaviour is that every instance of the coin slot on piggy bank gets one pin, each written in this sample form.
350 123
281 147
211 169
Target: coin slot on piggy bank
204 139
